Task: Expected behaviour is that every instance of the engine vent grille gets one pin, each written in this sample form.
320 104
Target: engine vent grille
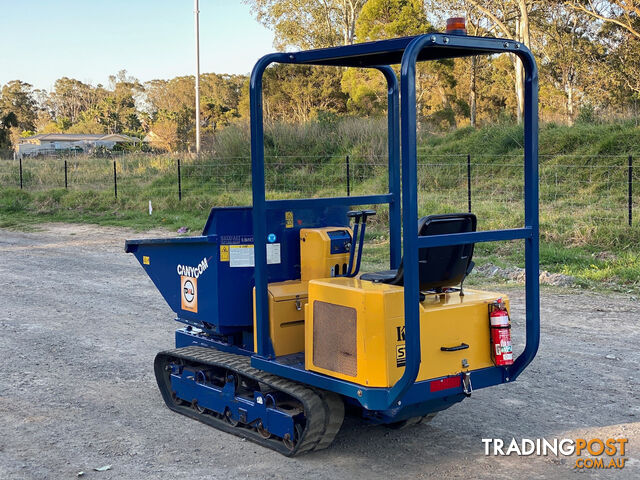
334 338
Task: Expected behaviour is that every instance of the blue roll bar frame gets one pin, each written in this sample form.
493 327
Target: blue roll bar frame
403 202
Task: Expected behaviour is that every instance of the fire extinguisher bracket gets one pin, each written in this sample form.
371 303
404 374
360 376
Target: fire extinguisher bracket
500 334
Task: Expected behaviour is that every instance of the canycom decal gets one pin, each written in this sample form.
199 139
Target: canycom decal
189 293
189 284
194 272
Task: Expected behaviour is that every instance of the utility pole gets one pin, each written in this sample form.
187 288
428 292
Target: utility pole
197 24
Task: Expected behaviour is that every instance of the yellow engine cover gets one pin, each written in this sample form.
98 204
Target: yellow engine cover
354 330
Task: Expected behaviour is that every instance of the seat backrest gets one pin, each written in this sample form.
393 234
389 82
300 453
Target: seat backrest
441 267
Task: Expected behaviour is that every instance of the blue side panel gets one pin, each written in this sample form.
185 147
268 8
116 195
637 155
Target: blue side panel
190 383
188 337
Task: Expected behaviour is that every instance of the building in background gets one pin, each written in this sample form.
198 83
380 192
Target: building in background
54 143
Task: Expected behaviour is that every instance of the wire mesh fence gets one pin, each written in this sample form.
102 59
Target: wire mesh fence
596 190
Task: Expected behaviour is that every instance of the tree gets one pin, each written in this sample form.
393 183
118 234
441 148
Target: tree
391 18
619 36
17 97
308 24
70 98
88 122
616 81
299 93
623 13
366 91
380 19
296 93
117 110
564 37
215 115
220 100
436 98
8 121
164 134
170 95
220 96
511 19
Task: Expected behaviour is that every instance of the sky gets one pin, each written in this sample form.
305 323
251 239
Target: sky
89 40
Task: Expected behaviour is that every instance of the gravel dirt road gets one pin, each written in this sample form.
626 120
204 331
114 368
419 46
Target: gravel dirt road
81 323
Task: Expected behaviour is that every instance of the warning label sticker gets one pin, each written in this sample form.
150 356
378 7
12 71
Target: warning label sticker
243 255
288 216
273 253
224 253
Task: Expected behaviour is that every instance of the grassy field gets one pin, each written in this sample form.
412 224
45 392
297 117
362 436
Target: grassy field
583 187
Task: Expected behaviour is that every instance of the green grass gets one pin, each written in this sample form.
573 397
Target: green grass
583 187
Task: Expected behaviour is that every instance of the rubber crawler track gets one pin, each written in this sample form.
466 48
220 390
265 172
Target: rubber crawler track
324 411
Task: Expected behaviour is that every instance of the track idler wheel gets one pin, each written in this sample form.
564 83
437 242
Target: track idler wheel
196 407
176 400
230 420
289 442
264 433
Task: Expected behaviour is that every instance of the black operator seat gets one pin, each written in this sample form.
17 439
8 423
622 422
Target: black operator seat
439 267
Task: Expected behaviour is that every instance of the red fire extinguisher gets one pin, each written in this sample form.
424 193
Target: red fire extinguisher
501 348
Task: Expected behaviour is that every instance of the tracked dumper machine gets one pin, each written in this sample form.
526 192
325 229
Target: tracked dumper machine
281 331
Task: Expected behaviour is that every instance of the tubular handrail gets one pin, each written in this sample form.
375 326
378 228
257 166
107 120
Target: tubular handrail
264 345
411 241
261 205
402 199
449 239
325 201
393 129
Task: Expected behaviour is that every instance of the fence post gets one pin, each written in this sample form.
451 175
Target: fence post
179 182
115 180
469 181
348 178
20 173
66 185
630 190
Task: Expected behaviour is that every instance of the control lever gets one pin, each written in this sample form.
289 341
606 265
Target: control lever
365 214
355 214
358 239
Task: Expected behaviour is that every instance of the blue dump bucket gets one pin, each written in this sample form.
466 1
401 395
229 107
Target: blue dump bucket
208 280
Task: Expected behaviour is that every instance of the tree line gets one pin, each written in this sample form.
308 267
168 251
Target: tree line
587 53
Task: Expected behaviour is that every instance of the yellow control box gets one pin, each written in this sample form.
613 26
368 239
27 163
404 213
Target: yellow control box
316 257
354 330
323 253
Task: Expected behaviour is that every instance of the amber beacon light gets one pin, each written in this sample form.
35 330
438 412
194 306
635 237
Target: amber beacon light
456 26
